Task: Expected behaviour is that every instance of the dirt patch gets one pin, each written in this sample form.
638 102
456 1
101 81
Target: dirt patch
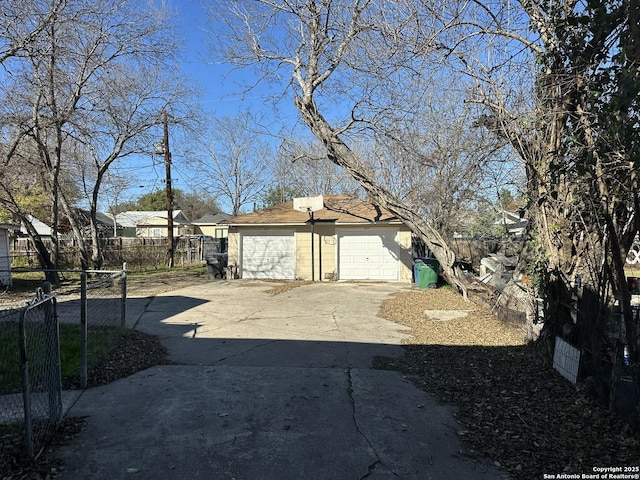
151 284
288 285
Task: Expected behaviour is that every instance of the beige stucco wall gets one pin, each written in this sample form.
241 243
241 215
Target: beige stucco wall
406 260
324 247
233 248
215 231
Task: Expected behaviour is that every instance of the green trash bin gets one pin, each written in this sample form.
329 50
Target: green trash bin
427 273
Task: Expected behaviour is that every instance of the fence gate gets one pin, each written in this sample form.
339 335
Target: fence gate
40 372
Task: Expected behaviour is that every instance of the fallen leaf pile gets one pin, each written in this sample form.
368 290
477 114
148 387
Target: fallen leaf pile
478 327
14 464
523 417
283 287
134 351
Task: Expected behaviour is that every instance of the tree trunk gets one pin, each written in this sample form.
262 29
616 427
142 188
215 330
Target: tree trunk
97 257
77 233
44 258
339 153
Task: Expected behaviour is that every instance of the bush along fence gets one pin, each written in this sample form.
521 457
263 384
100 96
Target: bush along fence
81 324
590 348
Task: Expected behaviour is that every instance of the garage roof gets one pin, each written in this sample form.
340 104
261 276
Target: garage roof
342 209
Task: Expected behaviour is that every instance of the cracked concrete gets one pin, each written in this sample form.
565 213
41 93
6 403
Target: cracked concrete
377 461
268 387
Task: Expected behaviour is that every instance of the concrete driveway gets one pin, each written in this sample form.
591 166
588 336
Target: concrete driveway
268 387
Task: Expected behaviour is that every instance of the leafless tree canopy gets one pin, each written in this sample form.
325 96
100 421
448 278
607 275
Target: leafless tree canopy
236 168
365 80
83 84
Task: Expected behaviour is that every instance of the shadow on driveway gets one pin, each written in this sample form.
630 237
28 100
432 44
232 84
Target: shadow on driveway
268 388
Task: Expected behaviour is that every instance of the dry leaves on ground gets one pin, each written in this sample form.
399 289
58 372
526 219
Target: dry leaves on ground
478 327
522 416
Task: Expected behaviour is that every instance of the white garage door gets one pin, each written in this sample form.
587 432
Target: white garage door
269 256
368 255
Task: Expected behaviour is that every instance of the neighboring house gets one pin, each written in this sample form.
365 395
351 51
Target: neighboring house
210 225
353 240
109 225
83 218
153 224
44 230
512 222
5 257
104 224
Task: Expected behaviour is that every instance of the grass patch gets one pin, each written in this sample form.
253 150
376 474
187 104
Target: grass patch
100 341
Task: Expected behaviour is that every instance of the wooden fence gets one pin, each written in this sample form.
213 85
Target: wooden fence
139 253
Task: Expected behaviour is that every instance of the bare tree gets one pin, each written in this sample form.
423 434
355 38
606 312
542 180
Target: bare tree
557 81
86 91
237 168
357 77
22 23
305 169
23 198
560 84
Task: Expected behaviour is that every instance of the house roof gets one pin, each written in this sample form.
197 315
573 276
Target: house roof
102 219
211 219
342 209
133 218
41 228
505 216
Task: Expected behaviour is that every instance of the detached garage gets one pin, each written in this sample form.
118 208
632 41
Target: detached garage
349 239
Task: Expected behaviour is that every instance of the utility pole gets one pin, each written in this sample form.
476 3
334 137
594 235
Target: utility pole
167 164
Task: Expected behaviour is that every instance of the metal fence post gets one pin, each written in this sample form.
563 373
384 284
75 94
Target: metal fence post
83 329
26 394
54 382
123 297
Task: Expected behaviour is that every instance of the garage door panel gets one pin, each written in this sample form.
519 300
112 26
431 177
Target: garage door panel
268 256
370 255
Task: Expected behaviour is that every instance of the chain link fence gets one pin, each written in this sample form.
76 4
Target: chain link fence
91 311
30 386
90 319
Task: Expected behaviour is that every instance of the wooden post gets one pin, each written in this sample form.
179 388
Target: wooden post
167 164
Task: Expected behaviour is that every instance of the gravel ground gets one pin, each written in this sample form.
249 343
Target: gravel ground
525 418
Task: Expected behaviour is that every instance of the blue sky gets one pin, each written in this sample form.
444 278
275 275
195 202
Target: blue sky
222 87
222 95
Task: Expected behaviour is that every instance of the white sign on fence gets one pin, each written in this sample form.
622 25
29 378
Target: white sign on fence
566 360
